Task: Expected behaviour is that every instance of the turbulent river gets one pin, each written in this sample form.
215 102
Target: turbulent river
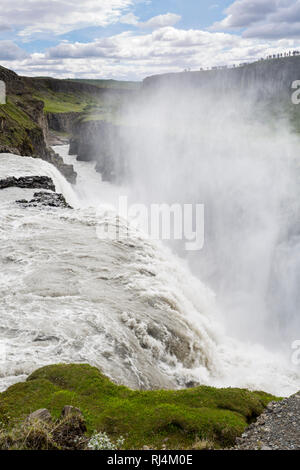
130 307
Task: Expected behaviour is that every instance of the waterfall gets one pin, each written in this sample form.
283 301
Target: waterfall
130 307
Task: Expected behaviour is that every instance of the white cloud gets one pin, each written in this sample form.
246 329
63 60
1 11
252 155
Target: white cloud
272 19
132 55
130 18
161 21
60 16
10 51
164 42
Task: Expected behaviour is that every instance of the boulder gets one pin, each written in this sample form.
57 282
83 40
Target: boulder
40 415
45 199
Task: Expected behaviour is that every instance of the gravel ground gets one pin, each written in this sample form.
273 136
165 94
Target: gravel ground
278 428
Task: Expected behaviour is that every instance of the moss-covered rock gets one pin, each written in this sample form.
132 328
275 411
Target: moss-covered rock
142 417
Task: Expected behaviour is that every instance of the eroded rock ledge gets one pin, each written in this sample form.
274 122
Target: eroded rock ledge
43 198
28 182
48 197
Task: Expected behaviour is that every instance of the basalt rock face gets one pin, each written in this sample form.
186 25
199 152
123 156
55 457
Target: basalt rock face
266 77
102 142
23 124
61 122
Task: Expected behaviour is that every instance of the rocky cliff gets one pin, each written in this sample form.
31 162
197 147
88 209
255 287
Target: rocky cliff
267 78
101 142
62 122
267 83
24 126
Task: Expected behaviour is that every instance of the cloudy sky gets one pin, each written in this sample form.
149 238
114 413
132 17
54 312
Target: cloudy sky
131 39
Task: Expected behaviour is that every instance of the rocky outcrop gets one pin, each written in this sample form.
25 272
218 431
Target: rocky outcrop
45 199
42 198
61 122
102 142
24 126
28 182
65 169
39 415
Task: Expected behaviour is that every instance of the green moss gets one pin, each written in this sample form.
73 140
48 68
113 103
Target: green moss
143 417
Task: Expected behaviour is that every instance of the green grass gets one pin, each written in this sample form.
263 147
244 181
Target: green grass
142 417
63 102
19 130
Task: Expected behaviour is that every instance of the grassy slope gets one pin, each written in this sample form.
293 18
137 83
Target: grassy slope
58 102
93 108
142 417
18 126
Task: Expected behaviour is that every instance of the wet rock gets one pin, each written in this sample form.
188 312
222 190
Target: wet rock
28 182
45 199
103 143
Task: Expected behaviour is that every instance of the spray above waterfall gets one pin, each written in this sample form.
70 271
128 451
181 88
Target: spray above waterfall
231 153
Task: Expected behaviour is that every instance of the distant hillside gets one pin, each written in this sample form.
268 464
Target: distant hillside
111 84
65 96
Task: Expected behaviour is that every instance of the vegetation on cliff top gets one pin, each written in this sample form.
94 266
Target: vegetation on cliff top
112 84
143 417
63 102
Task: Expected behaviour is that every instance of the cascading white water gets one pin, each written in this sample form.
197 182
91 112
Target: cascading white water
129 307
13 165
238 155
